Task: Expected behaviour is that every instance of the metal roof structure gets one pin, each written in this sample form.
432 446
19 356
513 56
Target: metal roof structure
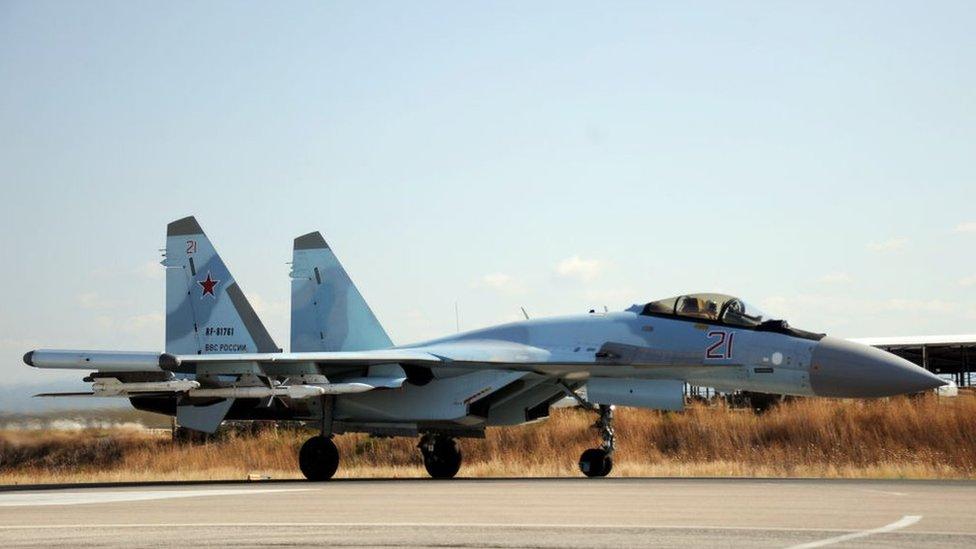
947 355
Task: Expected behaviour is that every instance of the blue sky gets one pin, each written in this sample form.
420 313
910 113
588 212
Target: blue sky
817 160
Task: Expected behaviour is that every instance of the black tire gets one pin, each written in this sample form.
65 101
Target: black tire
318 458
596 462
444 461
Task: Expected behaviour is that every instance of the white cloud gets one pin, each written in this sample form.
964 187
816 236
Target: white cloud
890 245
968 281
579 268
17 344
495 280
966 227
845 306
140 323
613 296
269 307
129 324
96 301
151 270
499 282
88 300
785 305
920 305
835 278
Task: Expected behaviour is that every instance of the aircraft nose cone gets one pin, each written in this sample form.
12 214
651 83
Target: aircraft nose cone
845 369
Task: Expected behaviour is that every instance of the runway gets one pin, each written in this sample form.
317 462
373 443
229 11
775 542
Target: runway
497 513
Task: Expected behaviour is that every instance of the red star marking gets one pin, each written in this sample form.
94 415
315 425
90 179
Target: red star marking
208 285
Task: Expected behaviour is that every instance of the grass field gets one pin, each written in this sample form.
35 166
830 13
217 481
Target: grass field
896 438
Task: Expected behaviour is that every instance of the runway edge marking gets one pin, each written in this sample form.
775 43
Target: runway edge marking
904 522
44 499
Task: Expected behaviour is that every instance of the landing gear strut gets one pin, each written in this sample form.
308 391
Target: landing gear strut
598 462
442 457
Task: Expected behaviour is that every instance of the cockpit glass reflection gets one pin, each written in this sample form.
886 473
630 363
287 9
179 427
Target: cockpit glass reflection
709 307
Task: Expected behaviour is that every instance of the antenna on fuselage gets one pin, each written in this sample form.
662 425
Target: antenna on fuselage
457 317
525 314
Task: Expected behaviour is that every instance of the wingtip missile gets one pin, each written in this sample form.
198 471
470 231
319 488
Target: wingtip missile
103 361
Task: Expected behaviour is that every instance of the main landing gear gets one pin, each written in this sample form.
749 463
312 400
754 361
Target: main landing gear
598 462
442 457
318 458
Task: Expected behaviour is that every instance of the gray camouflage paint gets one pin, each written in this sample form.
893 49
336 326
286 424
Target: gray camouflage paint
627 346
661 348
202 322
327 311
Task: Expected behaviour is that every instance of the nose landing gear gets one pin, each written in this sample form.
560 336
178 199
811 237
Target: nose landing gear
442 457
598 462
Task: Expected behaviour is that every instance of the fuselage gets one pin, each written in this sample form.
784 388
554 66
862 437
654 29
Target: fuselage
722 357
597 347
772 360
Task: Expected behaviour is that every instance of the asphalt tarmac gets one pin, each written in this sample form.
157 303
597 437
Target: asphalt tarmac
496 513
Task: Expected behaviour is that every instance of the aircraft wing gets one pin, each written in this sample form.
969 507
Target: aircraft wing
298 376
128 374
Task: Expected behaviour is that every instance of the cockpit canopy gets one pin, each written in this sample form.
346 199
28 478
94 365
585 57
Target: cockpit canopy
709 307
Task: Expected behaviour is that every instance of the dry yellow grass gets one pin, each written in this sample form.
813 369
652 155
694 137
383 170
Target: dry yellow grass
898 438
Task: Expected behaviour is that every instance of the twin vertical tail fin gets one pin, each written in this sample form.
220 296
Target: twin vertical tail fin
206 311
327 311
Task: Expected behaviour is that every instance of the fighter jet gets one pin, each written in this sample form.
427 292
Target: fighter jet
343 373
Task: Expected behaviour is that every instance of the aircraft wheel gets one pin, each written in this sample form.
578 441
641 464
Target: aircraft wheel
318 458
596 462
442 457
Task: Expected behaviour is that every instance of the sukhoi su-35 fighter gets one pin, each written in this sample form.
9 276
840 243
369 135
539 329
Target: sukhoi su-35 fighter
344 374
